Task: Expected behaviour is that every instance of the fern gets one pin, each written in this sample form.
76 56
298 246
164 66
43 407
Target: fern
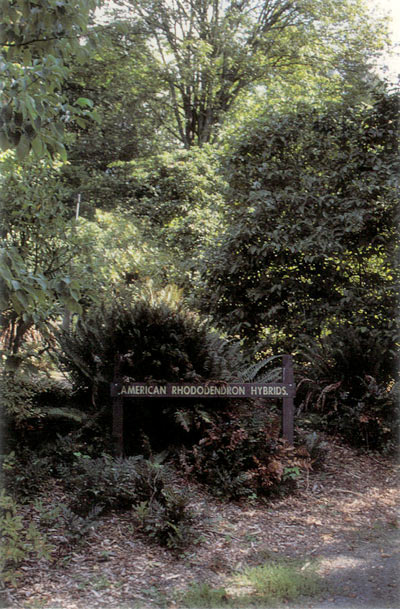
252 373
70 414
185 419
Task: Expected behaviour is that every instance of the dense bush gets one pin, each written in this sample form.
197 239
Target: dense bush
114 484
158 339
34 409
241 455
347 383
313 233
180 196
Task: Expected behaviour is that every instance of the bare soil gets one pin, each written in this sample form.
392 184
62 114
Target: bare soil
342 516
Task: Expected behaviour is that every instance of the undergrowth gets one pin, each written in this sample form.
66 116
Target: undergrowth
240 454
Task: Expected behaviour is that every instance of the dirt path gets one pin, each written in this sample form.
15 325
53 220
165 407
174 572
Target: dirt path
343 517
362 572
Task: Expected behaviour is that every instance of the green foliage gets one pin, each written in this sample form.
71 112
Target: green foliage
25 474
179 194
37 246
35 408
166 210
18 540
37 41
146 486
347 380
275 582
167 520
69 526
240 455
18 399
116 252
158 339
112 484
312 236
117 75
207 52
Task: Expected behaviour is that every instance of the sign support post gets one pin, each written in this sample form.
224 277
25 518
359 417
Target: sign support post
118 413
288 402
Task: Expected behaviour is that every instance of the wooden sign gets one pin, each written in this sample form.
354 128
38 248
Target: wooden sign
203 390
284 390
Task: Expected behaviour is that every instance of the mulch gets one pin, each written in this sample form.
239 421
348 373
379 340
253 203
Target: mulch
118 567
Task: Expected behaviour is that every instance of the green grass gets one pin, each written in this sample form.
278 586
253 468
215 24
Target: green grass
200 596
265 585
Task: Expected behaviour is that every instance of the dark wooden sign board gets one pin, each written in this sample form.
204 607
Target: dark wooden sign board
284 390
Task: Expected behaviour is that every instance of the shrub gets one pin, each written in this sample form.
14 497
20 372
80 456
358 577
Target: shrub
114 484
69 527
312 233
35 408
25 474
241 455
180 196
348 380
158 339
167 520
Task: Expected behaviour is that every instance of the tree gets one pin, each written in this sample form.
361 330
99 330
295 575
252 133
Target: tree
312 234
118 76
37 40
207 51
37 246
179 199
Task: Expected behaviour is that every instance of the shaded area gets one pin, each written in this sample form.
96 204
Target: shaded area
366 574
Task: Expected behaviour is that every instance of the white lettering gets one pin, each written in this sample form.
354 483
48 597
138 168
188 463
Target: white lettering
234 389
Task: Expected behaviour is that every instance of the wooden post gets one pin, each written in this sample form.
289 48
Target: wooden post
288 403
118 414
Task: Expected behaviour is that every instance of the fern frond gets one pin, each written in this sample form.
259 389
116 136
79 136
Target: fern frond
184 418
71 414
250 374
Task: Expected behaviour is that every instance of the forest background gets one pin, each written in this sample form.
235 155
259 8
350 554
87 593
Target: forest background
197 186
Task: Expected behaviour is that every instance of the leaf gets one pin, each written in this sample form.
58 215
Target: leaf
84 102
37 146
23 147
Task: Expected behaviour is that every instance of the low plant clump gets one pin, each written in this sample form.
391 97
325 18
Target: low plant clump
242 455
